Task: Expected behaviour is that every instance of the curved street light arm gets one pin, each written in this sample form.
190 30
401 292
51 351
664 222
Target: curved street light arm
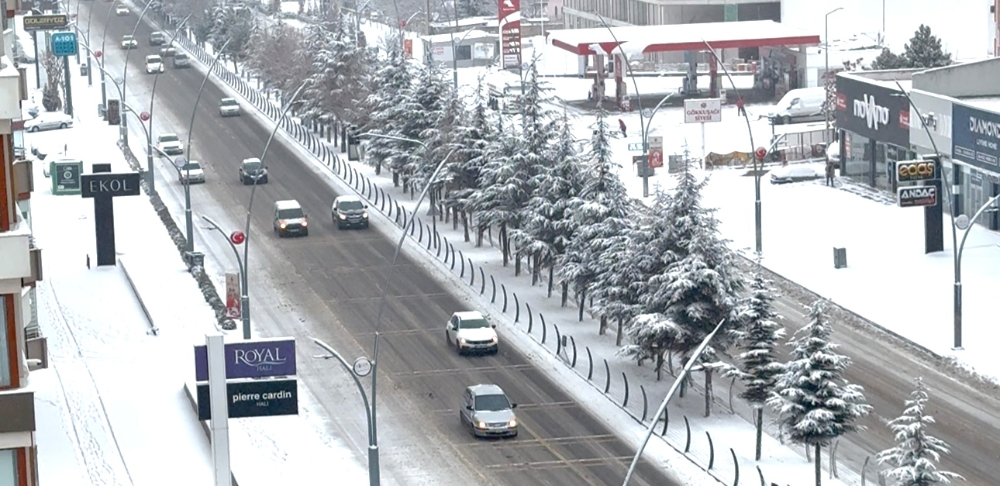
635 85
758 219
253 190
104 36
670 394
972 221
125 69
216 227
350 371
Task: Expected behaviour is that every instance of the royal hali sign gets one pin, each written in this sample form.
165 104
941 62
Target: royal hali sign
251 359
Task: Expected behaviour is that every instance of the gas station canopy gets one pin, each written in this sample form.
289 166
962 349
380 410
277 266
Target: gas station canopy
681 37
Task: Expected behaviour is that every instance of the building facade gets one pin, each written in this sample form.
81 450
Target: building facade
20 269
582 14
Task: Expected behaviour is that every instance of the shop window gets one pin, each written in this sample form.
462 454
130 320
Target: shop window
464 53
8 467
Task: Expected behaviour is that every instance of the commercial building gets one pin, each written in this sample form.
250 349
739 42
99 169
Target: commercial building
21 347
581 14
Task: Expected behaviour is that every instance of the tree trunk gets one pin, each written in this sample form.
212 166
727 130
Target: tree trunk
504 244
552 271
517 263
395 179
659 365
465 225
708 392
565 293
534 270
583 302
759 421
604 326
620 336
819 467
683 389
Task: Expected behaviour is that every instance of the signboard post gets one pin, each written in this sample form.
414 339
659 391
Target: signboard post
927 172
217 398
233 308
103 186
64 44
65 177
707 110
655 152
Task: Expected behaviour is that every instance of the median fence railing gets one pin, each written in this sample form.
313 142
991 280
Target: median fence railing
628 394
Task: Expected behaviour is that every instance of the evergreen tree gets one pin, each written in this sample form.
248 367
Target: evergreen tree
444 139
601 211
420 110
924 50
651 335
814 402
504 188
757 337
339 71
51 98
477 134
618 287
277 56
888 60
391 81
476 8
547 227
916 454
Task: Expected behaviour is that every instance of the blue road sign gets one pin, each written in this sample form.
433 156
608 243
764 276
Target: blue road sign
64 44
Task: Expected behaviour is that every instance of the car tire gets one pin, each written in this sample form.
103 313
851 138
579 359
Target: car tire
263 180
366 226
63 125
33 129
786 120
305 233
458 347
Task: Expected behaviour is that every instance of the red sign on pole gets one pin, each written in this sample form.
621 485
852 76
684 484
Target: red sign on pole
510 32
233 304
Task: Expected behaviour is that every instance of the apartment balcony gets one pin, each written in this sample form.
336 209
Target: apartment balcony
21 261
10 90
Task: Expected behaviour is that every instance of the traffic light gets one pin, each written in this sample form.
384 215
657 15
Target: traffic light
114 112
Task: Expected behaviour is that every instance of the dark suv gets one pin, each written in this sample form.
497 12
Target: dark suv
157 39
251 170
349 212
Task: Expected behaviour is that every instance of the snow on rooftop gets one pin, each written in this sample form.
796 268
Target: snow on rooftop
991 103
470 35
681 37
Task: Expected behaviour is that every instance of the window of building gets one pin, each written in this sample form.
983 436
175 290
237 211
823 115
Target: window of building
5 379
464 53
8 467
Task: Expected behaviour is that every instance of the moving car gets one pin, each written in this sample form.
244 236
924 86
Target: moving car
48 120
488 412
289 219
349 211
121 10
253 170
804 104
181 60
154 64
157 38
229 107
189 171
470 332
129 42
794 173
169 51
170 144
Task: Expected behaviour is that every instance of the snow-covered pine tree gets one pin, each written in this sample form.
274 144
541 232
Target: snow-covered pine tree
51 97
924 50
600 211
758 335
278 56
617 288
391 81
699 286
547 227
444 137
913 460
652 336
420 111
889 60
339 72
814 402
477 134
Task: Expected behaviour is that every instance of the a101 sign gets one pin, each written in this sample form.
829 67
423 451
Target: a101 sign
64 44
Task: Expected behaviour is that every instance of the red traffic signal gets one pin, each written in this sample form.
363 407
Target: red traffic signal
144 116
97 54
237 237
761 152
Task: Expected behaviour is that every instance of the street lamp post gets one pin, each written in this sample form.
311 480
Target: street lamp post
188 223
357 22
454 56
90 17
125 70
826 52
151 181
232 240
756 172
965 224
102 57
638 102
363 366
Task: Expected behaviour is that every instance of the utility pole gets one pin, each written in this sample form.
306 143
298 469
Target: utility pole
69 86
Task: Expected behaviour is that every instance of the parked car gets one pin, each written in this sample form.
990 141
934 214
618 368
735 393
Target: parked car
289 219
181 60
121 10
229 107
48 120
170 144
189 171
349 211
253 170
794 173
470 332
803 104
154 64
129 42
157 38
488 412
169 51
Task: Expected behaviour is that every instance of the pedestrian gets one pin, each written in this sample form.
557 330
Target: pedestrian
621 126
829 173
740 110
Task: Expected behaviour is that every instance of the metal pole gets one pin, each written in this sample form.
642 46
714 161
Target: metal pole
670 395
245 298
645 137
104 36
239 261
958 271
638 103
38 62
124 128
69 85
188 223
151 181
756 173
90 17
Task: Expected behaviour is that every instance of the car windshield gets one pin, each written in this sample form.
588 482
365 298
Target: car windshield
228 102
191 166
169 138
181 56
350 205
491 403
474 323
251 166
127 37
294 213
152 59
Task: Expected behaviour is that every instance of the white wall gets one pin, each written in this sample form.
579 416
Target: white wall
940 107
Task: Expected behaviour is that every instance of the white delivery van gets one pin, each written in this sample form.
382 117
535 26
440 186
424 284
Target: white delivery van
804 104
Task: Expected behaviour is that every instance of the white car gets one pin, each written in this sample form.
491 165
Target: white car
129 42
189 171
169 144
794 173
470 332
48 120
229 107
121 10
154 64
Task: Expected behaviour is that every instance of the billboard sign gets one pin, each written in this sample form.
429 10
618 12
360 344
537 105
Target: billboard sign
64 44
872 110
510 33
110 185
234 308
916 170
976 137
708 110
254 398
65 177
917 196
251 359
656 152
45 22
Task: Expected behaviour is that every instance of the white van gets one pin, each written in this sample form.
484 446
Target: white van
804 104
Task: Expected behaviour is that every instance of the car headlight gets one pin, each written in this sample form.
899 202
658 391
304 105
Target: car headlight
282 225
494 339
305 223
461 340
480 425
342 216
513 423
364 214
